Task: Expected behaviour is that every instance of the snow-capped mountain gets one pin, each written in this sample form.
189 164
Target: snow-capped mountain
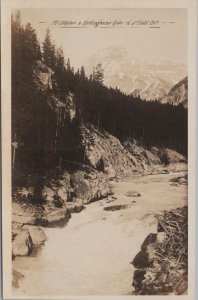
149 79
178 94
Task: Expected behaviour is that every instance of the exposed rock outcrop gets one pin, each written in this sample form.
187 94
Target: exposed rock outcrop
90 186
62 195
25 213
43 76
169 156
144 159
105 153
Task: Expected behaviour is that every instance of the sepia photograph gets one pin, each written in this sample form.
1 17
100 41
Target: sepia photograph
99 152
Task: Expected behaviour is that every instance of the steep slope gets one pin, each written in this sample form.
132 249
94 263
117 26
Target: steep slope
178 94
149 79
107 154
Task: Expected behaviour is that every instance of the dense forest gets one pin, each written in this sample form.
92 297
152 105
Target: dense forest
40 136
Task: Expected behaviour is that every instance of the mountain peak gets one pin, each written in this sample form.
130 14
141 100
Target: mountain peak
153 79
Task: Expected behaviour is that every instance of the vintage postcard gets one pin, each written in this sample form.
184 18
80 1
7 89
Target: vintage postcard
98 140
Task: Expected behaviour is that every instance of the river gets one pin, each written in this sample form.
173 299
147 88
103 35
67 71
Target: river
91 255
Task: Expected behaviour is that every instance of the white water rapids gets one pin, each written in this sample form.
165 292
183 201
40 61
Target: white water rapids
91 255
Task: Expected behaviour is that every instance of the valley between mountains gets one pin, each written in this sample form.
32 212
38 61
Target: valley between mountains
99 172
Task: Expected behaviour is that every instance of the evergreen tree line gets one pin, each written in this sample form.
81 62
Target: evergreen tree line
44 137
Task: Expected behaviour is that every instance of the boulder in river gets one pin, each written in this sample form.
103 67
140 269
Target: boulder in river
142 260
151 238
36 233
22 244
132 194
76 206
116 207
55 217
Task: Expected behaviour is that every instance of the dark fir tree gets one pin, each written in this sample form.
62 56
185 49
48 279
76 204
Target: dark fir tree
49 51
82 73
98 73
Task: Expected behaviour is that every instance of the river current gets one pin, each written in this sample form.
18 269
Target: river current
91 255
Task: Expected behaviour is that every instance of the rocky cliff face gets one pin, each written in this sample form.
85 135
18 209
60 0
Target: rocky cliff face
145 159
43 76
105 153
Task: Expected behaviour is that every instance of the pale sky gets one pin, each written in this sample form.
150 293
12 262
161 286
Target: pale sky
169 42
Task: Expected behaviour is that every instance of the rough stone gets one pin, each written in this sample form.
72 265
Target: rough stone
21 215
90 186
138 277
142 260
55 216
36 233
171 156
151 238
132 194
43 76
75 207
22 244
105 153
161 237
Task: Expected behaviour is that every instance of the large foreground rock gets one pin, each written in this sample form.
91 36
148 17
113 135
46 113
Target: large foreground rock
146 256
22 244
36 233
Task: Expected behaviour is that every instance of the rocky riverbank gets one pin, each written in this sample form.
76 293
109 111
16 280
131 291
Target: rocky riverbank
96 247
162 264
67 189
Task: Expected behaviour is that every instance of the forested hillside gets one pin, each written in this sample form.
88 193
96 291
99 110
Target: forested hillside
51 102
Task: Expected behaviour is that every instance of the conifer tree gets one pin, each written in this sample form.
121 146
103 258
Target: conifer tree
68 65
82 72
98 73
49 51
31 47
60 60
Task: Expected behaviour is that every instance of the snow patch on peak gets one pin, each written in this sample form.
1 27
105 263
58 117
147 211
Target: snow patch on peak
151 78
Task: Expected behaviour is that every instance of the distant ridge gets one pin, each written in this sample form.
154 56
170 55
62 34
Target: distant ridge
150 79
178 94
